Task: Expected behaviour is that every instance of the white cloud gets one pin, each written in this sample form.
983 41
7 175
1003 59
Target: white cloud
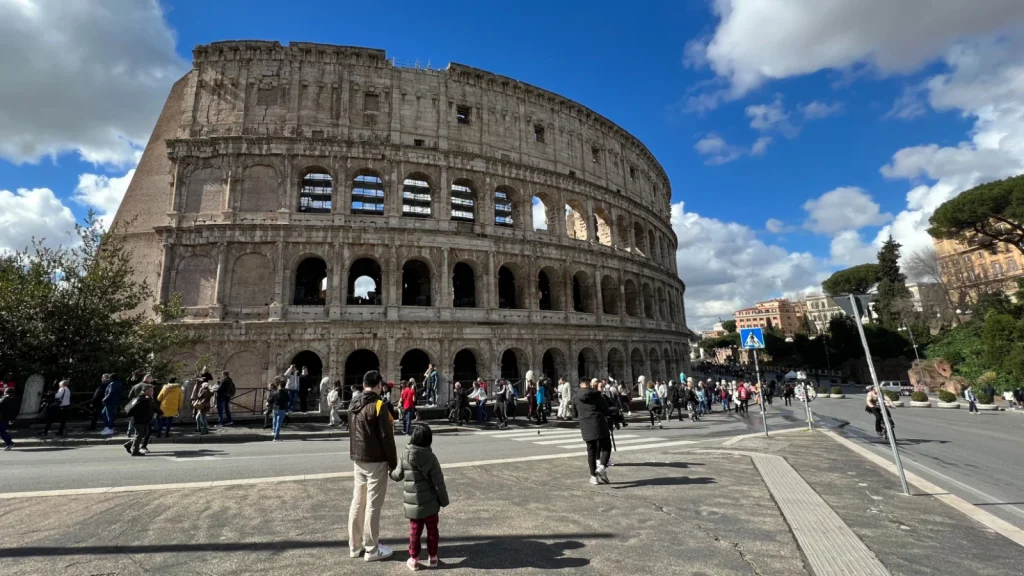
909 105
85 76
36 213
765 117
776 226
817 110
845 208
760 146
540 215
102 193
726 267
847 249
716 150
757 41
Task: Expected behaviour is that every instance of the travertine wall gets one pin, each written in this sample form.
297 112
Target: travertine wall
252 119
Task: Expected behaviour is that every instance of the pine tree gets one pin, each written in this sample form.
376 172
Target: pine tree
892 285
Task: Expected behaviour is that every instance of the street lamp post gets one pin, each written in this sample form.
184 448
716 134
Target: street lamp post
920 369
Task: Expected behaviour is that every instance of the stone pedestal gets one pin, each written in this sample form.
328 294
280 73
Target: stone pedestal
31 396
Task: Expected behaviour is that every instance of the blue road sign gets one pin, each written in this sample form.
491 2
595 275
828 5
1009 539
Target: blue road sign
751 338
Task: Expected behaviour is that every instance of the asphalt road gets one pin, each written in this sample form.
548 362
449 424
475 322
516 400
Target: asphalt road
62 468
979 458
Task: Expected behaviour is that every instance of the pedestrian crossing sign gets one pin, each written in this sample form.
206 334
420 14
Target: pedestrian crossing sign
751 338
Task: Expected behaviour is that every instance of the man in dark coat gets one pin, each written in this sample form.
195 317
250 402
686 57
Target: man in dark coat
593 413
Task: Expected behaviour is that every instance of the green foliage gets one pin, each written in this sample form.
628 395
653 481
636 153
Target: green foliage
837 390
711 344
883 342
987 213
892 396
892 285
729 326
984 398
918 396
855 280
998 338
947 396
75 312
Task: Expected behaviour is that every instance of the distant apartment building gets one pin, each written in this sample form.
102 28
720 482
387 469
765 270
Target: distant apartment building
970 269
928 298
779 313
820 310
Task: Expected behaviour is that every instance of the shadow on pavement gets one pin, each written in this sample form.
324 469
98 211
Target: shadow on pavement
657 465
670 481
185 453
513 544
510 553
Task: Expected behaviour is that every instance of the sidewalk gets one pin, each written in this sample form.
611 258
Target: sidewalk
796 504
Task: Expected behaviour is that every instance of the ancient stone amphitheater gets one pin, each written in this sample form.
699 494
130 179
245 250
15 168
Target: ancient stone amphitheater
323 206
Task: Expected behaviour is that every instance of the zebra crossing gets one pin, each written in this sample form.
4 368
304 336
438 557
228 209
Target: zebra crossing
567 439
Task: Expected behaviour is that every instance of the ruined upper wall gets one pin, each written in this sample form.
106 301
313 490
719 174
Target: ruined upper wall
258 88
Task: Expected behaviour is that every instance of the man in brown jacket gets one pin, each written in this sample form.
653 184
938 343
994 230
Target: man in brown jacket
373 454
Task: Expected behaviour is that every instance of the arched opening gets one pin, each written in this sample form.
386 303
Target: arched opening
582 293
639 240
414 365
311 283
464 367
655 365
662 304
368 194
648 301
549 293
508 293
652 245
632 298
636 364
539 213
463 201
311 362
416 196
357 365
587 364
315 190
415 283
575 223
666 356
364 283
622 233
504 206
603 227
463 286
512 363
610 294
553 364
616 364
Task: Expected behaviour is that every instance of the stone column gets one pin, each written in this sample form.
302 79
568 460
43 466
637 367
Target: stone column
218 300
277 306
445 272
491 301
165 271
598 294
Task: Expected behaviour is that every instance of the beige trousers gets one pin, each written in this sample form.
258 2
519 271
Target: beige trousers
370 485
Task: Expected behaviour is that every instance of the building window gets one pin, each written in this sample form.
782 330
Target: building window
997 269
595 155
632 173
371 102
315 193
538 133
416 197
462 202
502 208
368 194
463 114
418 142
1011 265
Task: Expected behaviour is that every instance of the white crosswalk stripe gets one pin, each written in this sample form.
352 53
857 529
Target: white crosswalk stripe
625 442
567 439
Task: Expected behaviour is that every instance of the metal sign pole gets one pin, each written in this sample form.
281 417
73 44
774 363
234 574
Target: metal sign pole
807 407
760 394
881 397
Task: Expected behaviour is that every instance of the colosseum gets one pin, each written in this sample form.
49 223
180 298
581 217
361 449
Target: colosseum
323 206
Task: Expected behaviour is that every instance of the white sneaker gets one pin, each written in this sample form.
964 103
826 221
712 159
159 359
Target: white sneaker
382 553
602 474
107 432
413 564
432 562
594 480
355 554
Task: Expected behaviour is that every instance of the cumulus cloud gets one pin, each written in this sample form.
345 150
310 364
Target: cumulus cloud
37 213
103 194
848 249
716 150
773 116
756 42
776 226
726 267
845 208
83 76
817 110
540 215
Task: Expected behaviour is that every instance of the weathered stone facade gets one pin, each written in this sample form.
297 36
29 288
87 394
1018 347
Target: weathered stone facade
283 182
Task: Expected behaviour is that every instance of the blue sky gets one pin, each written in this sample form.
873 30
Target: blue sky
796 133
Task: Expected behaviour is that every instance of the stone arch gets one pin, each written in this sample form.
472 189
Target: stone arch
575 221
246 369
587 364
506 201
583 297
463 200
636 364
639 239
316 190
542 214
622 232
196 279
414 365
465 366
464 284
357 364
417 196
514 364
616 364
655 362
310 287
416 282
252 280
549 289
652 245
610 294
511 293
367 193
603 226
554 365
632 297
314 365
666 357
365 282
204 191
662 304
648 296
259 189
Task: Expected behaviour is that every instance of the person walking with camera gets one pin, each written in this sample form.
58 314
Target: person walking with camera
593 414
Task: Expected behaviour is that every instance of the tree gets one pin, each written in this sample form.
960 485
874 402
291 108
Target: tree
892 285
725 341
855 280
986 214
729 326
924 265
74 312
806 327
768 325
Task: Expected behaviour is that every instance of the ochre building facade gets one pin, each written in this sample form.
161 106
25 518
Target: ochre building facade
319 205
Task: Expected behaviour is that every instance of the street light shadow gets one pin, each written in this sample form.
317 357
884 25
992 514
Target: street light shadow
508 554
669 481
186 453
680 465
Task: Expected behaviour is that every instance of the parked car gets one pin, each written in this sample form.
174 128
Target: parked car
902 386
